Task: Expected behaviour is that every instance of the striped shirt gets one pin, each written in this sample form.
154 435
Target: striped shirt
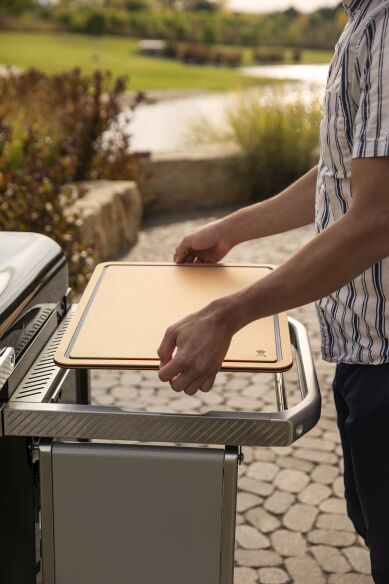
354 320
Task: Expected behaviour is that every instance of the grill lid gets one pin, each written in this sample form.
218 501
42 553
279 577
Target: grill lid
33 280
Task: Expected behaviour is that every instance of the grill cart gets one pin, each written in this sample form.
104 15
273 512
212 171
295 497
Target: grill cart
83 498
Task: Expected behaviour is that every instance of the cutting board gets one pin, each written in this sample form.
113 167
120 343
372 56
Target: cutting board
126 308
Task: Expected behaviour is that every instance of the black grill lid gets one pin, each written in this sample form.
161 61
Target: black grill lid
33 280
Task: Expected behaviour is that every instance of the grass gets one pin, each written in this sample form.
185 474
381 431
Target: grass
59 52
277 135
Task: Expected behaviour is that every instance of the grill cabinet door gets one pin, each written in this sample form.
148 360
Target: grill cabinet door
137 514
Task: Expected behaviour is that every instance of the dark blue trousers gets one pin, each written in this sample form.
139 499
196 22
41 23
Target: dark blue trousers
361 395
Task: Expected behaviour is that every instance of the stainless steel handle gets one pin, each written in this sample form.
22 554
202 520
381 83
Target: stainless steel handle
279 428
307 413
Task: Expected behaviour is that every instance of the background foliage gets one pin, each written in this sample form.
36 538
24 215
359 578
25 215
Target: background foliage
51 132
277 135
184 20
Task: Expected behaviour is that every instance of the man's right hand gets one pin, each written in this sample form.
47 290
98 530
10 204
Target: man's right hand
207 244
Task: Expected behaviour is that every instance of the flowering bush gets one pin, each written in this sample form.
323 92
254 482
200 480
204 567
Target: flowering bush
50 135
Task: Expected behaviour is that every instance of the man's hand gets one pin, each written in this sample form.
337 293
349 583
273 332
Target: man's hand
202 340
209 244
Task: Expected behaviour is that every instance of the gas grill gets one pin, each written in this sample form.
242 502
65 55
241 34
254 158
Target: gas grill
81 501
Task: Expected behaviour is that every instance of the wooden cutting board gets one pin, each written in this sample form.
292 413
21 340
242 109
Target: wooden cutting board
126 308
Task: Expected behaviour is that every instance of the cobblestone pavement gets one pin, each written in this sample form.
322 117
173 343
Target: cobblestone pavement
291 521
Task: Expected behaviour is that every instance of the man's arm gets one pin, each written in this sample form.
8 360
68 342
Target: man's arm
292 208
332 259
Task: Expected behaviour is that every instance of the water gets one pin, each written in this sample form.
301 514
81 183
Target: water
165 125
307 73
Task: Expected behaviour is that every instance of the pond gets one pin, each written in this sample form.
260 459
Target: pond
164 125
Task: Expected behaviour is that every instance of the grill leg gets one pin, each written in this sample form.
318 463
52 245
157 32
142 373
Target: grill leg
82 386
17 523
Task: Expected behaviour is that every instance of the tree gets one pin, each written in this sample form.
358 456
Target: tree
16 6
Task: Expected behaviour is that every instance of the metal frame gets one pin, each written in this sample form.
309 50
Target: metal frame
37 413
47 517
230 485
21 417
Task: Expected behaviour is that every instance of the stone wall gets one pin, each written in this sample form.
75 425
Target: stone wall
111 212
194 178
206 176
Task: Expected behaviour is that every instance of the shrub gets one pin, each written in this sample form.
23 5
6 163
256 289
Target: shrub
96 23
278 137
268 57
200 54
277 134
51 134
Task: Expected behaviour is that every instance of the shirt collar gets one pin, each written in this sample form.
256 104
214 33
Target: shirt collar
350 6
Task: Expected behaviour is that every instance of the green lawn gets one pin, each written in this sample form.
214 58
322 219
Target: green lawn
63 51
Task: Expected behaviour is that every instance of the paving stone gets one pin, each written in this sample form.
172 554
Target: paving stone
248 456
279 502
328 424
272 576
316 432
104 399
210 397
283 450
102 383
254 391
256 486
123 392
294 463
264 471
332 436
246 501
292 481
338 487
245 576
300 517
314 494
243 403
288 543
334 521
330 559
328 409
183 404
240 520
332 537
157 408
316 443
325 473
305 571
262 520
359 559
334 505
350 579
249 538
257 558
316 456
264 454
237 382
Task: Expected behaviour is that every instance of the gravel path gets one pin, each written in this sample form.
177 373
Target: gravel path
291 522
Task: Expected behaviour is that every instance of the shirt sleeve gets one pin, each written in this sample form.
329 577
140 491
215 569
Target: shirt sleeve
371 126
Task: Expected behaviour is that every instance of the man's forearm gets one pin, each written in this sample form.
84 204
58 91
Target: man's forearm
331 260
292 208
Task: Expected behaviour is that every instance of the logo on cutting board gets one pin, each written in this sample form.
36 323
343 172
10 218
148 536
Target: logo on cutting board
261 353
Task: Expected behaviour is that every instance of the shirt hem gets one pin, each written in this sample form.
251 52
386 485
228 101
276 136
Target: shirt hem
332 359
